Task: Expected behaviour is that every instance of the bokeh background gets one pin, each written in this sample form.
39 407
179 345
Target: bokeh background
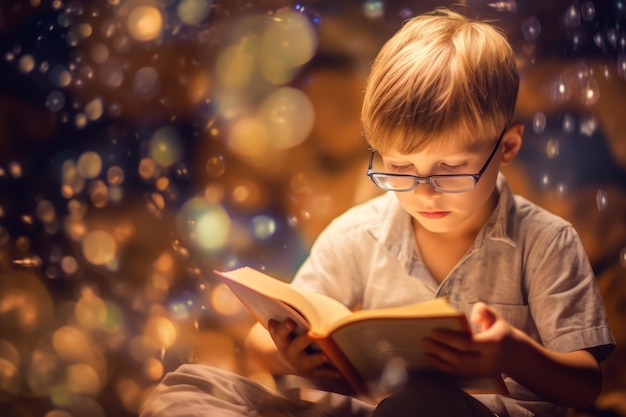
145 143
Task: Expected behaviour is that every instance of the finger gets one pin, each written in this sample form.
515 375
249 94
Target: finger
439 355
460 341
447 353
281 332
483 316
301 345
309 362
304 355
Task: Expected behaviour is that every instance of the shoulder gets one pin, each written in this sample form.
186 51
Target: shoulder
527 226
529 213
538 229
534 217
520 215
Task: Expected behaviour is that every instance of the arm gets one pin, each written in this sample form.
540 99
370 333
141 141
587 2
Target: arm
572 379
280 352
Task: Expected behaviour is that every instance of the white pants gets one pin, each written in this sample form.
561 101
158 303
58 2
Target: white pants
204 391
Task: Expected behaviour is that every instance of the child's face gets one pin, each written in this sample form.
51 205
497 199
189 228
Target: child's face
447 212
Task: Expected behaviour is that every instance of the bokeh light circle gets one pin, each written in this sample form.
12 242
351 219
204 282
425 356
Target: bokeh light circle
193 12
55 101
160 332
263 227
166 147
26 305
215 166
248 137
287 115
290 39
203 224
145 23
146 83
99 247
89 165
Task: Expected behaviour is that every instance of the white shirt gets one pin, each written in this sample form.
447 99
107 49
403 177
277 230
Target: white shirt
526 263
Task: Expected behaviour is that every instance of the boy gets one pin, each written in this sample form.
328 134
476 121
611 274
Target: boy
437 114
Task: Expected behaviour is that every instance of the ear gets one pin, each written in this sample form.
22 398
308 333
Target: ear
511 143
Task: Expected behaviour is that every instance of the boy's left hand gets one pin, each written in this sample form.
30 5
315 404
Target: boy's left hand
479 355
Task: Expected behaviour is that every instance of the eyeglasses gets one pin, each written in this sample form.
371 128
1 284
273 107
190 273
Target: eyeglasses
450 183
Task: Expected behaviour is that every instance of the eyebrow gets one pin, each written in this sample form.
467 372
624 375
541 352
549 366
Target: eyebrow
459 155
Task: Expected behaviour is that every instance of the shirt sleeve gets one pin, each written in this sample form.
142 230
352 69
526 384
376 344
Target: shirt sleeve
331 268
563 295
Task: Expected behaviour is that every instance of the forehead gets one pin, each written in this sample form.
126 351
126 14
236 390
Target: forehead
452 142
452 153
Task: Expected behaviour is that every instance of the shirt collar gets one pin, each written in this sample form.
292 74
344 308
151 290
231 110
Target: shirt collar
499 225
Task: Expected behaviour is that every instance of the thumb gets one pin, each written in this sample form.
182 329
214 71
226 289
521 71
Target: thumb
483 316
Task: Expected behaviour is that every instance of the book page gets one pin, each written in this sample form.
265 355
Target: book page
437 307
385 351
258 291
263 308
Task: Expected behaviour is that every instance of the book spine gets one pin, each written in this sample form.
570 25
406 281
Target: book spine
341 362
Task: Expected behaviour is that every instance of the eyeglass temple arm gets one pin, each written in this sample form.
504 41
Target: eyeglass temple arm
369 167
493 153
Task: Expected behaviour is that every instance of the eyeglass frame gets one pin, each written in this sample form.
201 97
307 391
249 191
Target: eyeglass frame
429 179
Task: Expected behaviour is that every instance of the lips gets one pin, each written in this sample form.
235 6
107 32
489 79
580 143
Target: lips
433 214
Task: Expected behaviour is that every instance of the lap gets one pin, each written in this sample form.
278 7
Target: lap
432 396
199 390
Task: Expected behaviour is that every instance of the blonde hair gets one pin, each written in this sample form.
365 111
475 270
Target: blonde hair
441 75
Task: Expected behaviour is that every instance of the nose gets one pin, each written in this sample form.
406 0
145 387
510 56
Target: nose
425 191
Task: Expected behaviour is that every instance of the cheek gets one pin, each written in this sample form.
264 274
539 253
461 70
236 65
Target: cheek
405 199
483 190
464 203
487 182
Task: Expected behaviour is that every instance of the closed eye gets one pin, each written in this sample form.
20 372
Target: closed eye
401 168
456 167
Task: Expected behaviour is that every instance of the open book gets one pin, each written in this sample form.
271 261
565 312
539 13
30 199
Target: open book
376 350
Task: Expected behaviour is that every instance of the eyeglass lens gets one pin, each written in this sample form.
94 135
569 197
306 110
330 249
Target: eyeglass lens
397 183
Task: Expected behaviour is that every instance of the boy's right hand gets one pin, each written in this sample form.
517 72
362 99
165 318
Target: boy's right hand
297 351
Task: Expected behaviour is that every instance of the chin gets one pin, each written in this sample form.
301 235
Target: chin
437 226
455 222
